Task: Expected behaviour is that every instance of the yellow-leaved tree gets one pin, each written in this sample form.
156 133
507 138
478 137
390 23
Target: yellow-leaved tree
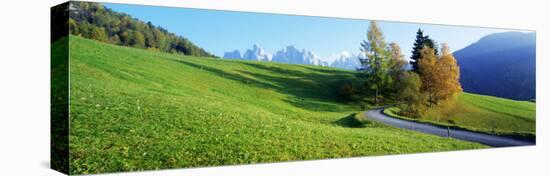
440 75
449 74
428 72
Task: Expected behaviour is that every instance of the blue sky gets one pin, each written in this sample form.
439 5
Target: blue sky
221 31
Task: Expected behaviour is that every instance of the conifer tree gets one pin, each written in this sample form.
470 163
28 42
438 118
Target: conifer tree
375 65
419 43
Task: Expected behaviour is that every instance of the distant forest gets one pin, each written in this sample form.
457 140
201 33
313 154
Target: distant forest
94 21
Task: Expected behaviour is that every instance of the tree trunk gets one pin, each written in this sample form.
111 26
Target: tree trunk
376 97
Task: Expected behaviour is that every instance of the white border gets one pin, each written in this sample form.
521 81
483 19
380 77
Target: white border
24 92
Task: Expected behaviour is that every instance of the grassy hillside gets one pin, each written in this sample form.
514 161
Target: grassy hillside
485 113
59 140
134 109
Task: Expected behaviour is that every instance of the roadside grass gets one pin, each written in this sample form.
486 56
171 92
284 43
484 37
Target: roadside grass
481 113
133 109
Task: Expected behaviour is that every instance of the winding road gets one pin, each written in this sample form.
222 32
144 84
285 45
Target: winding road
482 138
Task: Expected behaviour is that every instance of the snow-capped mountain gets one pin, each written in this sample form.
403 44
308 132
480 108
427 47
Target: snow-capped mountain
232 55
257 54
346 61
292 55
324 63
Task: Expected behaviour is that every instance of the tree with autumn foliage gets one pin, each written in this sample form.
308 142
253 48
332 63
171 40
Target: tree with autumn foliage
439 75
99 34
449 73
397 62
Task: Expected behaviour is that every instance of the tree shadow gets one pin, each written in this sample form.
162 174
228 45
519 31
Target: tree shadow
227 75
317 106
308 90
279 70
349 122
329 70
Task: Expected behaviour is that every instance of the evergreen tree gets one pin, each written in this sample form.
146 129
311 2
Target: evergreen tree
419 43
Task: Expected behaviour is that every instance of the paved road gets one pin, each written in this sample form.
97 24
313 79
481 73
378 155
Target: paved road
491 140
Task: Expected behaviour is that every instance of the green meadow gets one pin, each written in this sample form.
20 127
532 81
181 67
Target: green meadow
134 109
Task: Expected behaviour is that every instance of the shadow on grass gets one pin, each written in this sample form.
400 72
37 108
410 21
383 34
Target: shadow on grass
349 122
227 75
329 71
308 90
358 121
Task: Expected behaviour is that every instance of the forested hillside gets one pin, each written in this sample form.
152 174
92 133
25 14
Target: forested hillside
94 21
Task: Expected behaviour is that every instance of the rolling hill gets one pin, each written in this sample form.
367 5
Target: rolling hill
502 64
134 109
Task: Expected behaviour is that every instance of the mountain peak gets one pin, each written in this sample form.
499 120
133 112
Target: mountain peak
256 53
292 55
255 47
346 60
235 54
499 42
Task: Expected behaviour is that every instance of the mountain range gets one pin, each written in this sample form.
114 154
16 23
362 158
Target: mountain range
347 61
501 64
292 55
